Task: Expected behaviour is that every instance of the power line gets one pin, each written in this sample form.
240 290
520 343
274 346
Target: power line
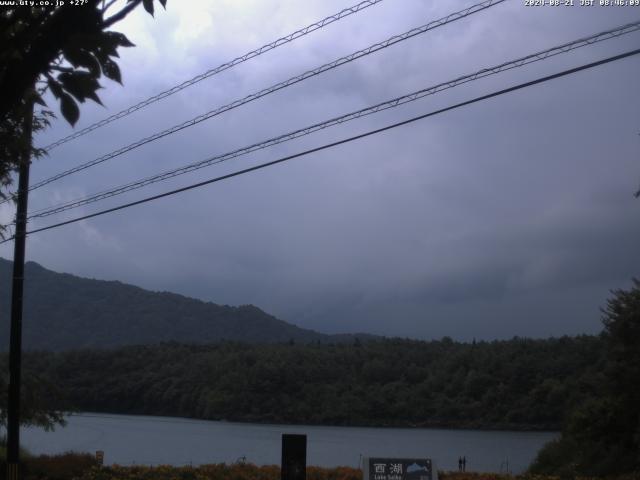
564 48
279 86
220 68
340 142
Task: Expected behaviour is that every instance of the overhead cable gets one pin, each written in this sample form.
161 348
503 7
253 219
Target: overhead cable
395 102
220 68
278 86
340 142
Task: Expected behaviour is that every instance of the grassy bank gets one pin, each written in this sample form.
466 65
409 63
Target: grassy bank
251 472
73 466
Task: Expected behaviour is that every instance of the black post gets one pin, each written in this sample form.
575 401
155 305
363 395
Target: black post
15 345
294 457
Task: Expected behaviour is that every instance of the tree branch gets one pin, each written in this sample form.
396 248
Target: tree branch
107 6
62 69
121 14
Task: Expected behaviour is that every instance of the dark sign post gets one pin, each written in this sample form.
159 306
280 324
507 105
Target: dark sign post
294 457
399 469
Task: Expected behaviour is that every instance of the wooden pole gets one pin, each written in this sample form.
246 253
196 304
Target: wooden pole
15 341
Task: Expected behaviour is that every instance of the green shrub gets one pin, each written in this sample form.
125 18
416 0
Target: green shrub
58 467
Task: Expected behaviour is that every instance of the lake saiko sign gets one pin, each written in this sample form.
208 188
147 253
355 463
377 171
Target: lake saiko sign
399 469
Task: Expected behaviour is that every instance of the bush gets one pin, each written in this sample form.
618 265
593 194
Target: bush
552 459
50 467
58 467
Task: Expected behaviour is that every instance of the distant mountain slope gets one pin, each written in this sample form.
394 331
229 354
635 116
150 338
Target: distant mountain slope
64 312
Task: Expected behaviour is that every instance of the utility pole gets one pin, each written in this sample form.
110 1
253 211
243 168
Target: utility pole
15 341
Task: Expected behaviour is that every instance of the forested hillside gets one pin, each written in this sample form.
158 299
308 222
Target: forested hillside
64 311
508 384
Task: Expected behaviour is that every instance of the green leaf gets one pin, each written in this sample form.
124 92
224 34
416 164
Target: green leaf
81 85
56 87
163 3
111 70
89 41
69 109
148 6
82 58
38 99
118 39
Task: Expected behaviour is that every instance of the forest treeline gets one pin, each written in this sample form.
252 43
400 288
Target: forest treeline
519 384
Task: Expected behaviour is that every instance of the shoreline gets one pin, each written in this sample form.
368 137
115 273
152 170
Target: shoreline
254 422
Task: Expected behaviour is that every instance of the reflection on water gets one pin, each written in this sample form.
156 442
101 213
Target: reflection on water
129 440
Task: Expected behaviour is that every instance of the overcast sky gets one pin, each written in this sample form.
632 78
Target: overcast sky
514 216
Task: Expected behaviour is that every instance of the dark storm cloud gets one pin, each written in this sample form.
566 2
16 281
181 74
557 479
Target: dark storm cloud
510 217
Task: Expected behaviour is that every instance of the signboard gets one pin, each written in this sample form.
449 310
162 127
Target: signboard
399 469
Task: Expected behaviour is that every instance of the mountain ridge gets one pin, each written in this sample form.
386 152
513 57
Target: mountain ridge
63 311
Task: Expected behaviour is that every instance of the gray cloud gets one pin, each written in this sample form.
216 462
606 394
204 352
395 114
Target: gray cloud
510 217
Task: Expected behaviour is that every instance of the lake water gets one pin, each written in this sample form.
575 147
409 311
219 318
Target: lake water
129 440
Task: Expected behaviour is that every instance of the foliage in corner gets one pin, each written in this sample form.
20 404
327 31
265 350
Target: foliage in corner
37 397
67 48
63 49
14 144
602 435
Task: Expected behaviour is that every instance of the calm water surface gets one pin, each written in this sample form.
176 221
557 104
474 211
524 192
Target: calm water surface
129 440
